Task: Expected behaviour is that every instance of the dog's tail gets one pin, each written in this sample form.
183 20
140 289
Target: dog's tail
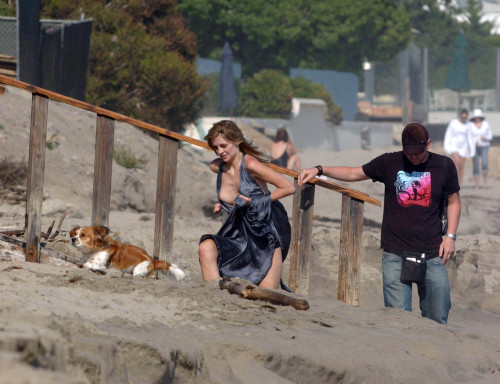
174 270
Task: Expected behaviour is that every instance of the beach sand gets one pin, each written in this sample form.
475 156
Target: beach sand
63 324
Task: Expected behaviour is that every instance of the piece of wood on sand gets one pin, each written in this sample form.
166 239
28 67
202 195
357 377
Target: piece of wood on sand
252 292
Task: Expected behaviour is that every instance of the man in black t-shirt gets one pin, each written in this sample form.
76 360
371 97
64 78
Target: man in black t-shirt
415 181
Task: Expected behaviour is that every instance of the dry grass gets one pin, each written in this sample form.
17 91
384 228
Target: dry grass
12 179
12 174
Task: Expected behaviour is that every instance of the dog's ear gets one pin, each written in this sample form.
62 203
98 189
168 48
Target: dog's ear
72 233
102 231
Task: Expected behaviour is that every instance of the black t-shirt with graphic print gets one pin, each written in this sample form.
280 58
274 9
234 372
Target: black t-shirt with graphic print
412 197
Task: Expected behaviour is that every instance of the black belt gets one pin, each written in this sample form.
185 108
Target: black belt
428 254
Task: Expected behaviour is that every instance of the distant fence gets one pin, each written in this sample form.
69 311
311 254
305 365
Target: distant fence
303 198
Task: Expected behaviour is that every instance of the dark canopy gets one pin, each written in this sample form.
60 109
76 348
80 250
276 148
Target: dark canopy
228 95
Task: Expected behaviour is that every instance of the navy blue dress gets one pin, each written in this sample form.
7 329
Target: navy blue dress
250 233
282 161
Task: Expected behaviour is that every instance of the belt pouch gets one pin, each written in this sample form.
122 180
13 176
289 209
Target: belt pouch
413 267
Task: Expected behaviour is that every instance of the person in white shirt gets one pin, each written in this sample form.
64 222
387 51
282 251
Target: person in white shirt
481 133
459 143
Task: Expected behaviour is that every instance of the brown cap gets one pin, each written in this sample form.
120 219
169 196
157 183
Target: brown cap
414 134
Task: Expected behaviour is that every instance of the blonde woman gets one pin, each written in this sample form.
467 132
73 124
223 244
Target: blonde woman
458 142
255 237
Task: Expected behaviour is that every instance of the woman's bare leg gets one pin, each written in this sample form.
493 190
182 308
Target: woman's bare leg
459 163
476 182
273 277
461 169
208 253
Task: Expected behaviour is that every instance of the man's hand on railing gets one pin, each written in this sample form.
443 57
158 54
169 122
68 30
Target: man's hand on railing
306 175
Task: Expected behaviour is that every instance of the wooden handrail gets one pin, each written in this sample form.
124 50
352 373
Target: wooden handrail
303 199
100 111
329 185
174 135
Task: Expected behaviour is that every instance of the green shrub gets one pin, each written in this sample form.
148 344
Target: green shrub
267 94
124 156
142 58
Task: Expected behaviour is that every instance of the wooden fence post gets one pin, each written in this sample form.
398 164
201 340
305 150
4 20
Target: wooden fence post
165 197
103 163
351 233
36 173
300 247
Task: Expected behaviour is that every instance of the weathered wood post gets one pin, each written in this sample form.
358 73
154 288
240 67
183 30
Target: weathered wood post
165 197
351 234
301 244
36 173
103 163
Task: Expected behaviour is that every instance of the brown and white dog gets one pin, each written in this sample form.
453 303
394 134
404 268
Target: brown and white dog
107 252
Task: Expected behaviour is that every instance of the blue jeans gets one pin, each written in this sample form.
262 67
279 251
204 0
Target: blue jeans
481 152
435 302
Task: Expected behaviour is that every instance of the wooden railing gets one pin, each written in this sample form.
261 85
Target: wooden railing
303 199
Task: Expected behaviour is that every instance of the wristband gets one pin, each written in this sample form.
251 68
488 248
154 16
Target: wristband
452 236
320 169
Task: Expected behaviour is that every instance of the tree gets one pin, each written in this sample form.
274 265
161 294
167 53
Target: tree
7 8
269 94
266 94
282 34
438 28
480 53
141 58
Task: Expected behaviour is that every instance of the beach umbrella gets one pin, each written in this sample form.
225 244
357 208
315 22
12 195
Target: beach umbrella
458 77
228 95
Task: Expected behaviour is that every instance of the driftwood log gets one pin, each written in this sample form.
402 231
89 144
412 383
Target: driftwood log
44 235
43 252
252 292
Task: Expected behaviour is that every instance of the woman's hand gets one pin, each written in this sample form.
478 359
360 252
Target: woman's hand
217 207
247 199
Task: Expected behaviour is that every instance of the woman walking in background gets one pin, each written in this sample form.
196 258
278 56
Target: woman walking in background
481 133
458 142
284 152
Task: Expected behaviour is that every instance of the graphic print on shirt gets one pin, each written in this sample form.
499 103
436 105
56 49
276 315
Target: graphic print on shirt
413 188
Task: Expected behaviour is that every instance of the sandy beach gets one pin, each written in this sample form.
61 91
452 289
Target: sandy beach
63 324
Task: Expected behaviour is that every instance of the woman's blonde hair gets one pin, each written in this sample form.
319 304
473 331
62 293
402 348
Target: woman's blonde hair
231 132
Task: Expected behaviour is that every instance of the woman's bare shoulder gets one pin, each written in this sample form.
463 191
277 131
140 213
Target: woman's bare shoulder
255 166
251 162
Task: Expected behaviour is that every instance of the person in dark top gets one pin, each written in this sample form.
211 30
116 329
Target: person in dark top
415 181
284 152
254 239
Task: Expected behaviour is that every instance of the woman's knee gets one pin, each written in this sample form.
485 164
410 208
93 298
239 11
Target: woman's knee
207 251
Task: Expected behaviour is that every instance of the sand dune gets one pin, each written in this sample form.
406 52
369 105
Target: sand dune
62 324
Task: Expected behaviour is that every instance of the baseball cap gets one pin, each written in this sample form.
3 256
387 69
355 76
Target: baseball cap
414 138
